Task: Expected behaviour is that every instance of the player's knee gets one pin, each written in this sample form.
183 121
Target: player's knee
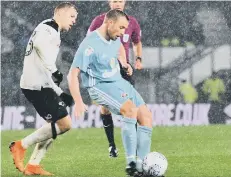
144 116
149 118
104 111
64 124
129 109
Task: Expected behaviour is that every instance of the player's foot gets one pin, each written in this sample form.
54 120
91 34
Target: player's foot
139 174
18 153
131 169
36 170
113 152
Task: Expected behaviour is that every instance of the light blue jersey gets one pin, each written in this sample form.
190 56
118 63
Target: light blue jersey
100 73
97 59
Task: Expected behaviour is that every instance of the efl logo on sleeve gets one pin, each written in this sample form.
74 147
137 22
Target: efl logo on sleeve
125 37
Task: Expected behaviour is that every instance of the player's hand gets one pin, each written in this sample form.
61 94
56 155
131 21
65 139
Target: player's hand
57 77
138 65
67 99
79 109
129 70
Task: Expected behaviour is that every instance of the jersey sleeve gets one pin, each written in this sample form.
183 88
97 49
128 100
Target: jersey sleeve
47 48
136 34
83 57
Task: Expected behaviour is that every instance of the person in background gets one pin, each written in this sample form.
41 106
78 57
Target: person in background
188 92
214 88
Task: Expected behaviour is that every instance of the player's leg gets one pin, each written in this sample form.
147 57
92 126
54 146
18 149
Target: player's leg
108 122
108 125
39 151
58 110
144 134
129 135
47 131
117 101
33 167
144 129
47 104
38 154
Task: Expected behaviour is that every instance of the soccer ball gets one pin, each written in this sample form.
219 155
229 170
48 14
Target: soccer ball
154 164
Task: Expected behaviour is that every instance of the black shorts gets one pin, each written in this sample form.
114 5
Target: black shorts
125 76
47 103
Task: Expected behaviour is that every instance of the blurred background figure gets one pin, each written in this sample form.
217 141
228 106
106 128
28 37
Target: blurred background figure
214 88
188 92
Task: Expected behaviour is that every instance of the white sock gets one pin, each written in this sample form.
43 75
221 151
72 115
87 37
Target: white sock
139 165
42 134
40 151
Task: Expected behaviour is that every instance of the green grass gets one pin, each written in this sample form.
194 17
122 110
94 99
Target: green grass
191 151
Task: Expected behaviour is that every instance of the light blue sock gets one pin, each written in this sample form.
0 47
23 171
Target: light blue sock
129 137
144 139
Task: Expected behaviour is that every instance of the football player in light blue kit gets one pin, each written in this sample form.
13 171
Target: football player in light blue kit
97 64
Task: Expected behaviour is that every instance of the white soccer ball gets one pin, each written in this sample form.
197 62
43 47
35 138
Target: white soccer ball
155 164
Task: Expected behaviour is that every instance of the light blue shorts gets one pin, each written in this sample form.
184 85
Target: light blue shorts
113 95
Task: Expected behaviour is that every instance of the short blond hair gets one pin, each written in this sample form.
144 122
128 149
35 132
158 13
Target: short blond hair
65 5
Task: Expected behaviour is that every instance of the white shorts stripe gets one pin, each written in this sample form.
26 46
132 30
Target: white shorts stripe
109 99
108 96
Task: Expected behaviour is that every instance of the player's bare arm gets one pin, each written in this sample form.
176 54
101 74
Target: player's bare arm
73 83
137 48
122 59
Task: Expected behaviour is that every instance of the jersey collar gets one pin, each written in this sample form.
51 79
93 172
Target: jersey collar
102 38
